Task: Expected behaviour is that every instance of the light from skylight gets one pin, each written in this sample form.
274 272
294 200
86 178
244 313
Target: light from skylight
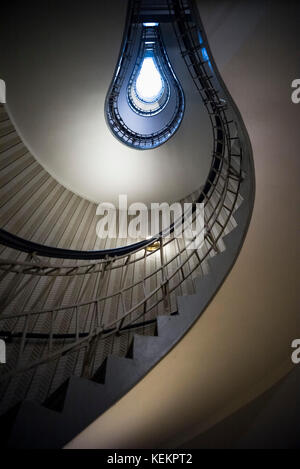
150 25
149 83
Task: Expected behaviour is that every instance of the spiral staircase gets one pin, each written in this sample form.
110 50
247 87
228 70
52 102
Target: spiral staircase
92 319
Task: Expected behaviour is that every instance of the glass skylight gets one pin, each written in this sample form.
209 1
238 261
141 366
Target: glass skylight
150 25
149 83
151 89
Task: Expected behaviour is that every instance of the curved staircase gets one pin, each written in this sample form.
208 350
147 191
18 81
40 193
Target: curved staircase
98 321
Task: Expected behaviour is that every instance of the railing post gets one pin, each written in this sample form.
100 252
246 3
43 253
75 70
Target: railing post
211 240
76 323
91 345
145 296
88 358
124 278
23 341
165 283
124 313
51 332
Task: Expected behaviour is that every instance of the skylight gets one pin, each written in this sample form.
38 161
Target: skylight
151 88
150 25
149 83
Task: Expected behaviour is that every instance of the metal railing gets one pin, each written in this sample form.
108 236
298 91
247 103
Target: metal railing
162 272
116 123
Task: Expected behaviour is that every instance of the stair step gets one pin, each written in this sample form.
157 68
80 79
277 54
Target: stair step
130 352
219 266
85 402
121 374
171 328
204 284
79 387
221 263
233 240
241 214
205 288
99 376
57 399
148 348
245 188
36 426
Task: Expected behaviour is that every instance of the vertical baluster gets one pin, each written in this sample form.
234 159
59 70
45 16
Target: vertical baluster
23 341
165 284
50 345
90 348
123 311
145 301
98 315
77 322
124 279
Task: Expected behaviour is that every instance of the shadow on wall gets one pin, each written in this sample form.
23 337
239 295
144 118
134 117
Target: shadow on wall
219 17
272 421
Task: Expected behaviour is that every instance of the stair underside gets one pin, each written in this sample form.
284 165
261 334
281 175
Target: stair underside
82 400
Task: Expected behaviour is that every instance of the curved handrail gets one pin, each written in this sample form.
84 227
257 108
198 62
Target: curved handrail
223 182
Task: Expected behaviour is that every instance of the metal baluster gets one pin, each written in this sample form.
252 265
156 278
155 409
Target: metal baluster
165 283
51 332
23 341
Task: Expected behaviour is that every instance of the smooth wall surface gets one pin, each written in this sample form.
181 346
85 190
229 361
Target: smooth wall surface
241 346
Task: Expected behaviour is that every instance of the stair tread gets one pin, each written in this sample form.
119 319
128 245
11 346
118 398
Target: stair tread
180 324
37 423
147 347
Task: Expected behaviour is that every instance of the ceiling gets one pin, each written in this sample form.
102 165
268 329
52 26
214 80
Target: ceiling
58 62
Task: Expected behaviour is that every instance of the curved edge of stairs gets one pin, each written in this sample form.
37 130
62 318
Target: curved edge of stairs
79 401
